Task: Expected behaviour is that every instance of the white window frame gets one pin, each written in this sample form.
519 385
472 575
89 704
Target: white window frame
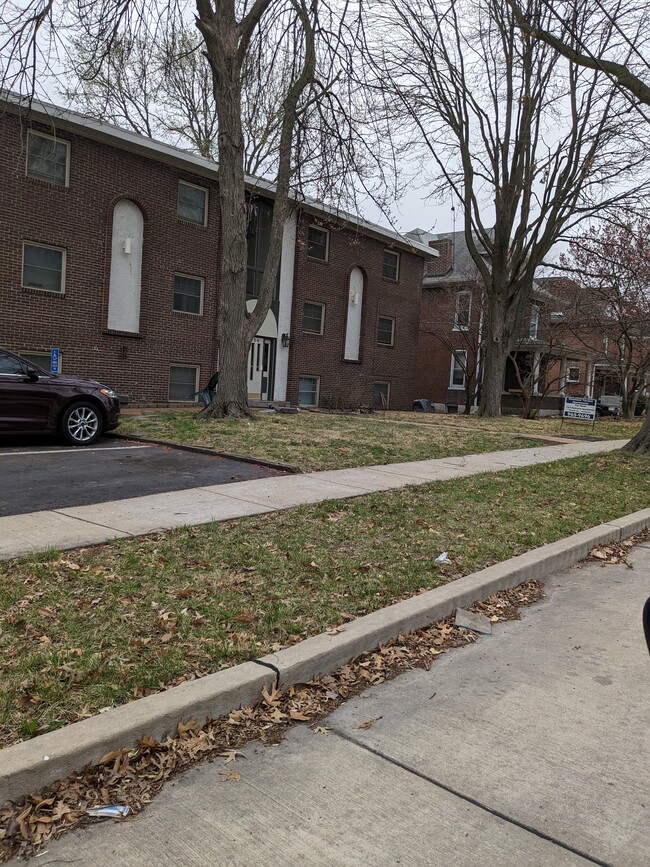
317 397
390 319
568 374
452 385
327 243
205 207
459 326
62 250
381 382
395 253
534 322
197 378
58 140
46 354
322 317
189 277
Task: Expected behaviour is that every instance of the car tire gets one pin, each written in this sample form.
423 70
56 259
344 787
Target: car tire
81 424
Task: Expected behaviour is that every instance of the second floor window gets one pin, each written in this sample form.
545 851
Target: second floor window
390 268
192 204
318 242
313 316
47 158
385 331
463 311
188 294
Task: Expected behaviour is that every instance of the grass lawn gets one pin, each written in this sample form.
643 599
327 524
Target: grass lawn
93 628
320 441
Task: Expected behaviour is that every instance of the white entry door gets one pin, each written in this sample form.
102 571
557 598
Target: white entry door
260 359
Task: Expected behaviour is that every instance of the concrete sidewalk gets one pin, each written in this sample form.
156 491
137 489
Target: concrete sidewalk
530 747
90 525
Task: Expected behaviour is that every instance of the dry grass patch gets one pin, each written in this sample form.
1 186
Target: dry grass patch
98 627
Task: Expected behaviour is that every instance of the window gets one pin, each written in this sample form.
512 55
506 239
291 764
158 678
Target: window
40 359
43 267
573 374
458 368
463 311
192 204
183 382
188 294
10 365
258 242
313 318
47 158
534 323
391 265
318 242
381 395
385 331
308 390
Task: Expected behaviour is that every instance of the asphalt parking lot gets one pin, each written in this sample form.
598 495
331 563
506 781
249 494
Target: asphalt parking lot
37 475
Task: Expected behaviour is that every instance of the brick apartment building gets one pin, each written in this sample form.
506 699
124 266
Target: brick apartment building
562 358
110 254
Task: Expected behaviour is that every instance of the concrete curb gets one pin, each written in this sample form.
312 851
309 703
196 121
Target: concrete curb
247 459
24 767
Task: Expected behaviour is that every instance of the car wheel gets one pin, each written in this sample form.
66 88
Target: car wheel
600 412
81 424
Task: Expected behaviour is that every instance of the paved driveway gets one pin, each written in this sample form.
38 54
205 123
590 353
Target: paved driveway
37 475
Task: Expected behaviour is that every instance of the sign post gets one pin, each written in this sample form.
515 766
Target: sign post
579 409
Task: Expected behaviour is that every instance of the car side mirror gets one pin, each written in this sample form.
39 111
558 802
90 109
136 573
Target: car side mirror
32 375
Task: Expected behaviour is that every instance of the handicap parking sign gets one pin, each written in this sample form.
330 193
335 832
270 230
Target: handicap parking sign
54 361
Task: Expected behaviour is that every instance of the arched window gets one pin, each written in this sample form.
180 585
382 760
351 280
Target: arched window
355 304
126 268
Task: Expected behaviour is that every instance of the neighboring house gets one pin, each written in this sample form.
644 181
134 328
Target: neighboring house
110 255
548 362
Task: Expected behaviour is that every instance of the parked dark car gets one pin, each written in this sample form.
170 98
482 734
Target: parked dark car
33 401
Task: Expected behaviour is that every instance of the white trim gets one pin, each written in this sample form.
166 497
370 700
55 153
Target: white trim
453 386
285 304
457 325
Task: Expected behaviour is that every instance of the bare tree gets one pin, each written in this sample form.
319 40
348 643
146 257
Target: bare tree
528 145
613 300
585 47
294 51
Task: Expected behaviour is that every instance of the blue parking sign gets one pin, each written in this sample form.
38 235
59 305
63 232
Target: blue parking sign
54 361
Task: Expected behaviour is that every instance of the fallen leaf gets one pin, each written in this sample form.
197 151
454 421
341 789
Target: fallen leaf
230 756
369 723
320 730
235 776
335 630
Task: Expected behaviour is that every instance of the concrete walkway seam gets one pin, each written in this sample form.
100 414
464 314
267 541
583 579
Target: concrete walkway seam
29 766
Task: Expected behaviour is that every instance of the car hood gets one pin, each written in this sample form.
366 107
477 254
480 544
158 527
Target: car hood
77 380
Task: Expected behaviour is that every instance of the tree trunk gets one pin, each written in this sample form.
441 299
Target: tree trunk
494 359
231 395
640 444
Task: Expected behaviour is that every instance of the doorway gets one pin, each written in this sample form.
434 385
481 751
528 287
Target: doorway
261 363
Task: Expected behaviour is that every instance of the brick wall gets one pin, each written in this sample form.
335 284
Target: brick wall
79 219
348 382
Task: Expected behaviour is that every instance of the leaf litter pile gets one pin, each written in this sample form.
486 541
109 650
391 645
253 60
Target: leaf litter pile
133 777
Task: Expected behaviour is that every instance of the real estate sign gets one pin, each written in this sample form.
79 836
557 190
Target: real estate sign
579 408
